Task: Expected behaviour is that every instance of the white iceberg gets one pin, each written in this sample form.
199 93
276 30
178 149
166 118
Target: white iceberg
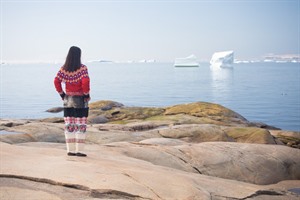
190 61
222 59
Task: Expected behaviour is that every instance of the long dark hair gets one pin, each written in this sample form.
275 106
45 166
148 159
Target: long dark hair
73 60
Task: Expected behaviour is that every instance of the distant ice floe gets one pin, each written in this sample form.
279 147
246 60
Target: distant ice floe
147 61
246 61
223 59
264 61
284 58
100 61
272 58
26 62
190 61
122 61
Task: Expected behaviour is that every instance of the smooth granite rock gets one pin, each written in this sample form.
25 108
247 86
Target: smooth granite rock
109 173
195 133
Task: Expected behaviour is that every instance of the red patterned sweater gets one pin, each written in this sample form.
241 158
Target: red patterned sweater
77 82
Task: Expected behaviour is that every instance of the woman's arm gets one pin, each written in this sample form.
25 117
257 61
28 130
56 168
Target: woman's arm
86 88
58 87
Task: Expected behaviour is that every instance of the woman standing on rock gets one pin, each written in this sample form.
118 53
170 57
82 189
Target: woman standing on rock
77 86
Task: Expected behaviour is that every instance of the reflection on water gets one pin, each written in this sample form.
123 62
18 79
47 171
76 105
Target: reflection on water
221 83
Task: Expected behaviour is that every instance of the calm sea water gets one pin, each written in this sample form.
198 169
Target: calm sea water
264 92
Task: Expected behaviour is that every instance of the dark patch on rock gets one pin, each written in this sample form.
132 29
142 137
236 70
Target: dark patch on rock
115 112
8 124
142 126
107 107
55 110
98 120
105 104
12 123
263 125
295 190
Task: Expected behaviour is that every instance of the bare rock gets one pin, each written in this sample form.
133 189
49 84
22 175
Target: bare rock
35 131
17 188
105 104
112 127
98 119
163 142
53 120
55 110
15 193
110 171
106 137
13 122
142 126
195 133
290 138
254 163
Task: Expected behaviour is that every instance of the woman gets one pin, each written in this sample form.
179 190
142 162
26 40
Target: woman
75 100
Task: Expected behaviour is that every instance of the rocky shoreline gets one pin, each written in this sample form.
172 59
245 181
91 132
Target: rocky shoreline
198 150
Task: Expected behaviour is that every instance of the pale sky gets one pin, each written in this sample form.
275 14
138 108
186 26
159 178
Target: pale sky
136 30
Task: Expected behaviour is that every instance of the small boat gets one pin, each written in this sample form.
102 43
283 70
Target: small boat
190 61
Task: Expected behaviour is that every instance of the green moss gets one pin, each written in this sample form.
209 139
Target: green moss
99 104
163 118
203 109
183 119
197 113
122 122
286 139
130 113
250 135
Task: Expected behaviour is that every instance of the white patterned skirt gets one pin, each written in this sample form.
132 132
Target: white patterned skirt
75 117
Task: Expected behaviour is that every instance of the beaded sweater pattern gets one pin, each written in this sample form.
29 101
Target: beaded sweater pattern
72 77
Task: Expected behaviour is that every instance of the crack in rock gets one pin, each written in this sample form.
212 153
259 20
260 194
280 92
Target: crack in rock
96 193
256 194
112 194
186 162
44 180
264 192
142 184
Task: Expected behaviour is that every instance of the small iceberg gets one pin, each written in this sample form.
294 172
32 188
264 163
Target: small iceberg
190 61
222 59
